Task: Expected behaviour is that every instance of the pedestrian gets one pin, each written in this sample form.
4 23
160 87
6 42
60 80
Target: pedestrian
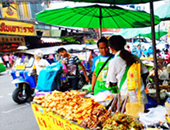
100 66
6 60
71 62
150 51
11 60
22 58
117 66
39 63
91 57
139 51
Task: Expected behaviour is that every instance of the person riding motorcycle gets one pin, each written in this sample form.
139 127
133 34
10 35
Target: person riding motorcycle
39 61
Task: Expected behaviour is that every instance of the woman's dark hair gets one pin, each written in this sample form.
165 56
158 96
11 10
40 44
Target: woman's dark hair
61 50
118 43
102 39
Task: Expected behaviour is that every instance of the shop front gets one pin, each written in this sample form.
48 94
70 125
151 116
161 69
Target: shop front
10 43
13 33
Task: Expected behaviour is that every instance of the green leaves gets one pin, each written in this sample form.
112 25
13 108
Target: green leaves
69 40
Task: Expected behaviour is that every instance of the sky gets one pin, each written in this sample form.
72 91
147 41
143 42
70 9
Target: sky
145 7
156 5
61 4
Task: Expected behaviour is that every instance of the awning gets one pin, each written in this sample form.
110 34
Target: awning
50 40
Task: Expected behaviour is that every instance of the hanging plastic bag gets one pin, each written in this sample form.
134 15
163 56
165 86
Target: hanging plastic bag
133 77
133 84
47 80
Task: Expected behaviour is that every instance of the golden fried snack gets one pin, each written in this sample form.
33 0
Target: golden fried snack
121 121
72 106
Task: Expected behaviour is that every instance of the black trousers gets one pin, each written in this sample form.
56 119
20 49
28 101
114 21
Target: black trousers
73 83
7 64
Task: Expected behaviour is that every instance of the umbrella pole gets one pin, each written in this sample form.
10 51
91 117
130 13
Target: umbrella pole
100 22
154 52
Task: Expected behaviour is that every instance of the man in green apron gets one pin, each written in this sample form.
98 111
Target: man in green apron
100 67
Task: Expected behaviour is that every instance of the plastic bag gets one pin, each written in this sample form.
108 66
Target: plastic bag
164 75
153 116
133 77
47 80
102 96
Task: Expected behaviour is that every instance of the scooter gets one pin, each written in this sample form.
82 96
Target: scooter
25 85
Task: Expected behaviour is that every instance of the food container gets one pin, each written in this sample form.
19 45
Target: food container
133 107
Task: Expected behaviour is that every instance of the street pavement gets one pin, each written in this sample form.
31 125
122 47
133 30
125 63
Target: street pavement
14 116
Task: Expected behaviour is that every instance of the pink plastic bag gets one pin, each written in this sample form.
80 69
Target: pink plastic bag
64 68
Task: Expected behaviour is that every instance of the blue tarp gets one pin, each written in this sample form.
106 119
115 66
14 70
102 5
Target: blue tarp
48 80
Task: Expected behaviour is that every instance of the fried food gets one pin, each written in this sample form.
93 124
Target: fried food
121 121
70 105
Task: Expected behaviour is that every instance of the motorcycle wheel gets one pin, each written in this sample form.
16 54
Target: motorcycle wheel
19 96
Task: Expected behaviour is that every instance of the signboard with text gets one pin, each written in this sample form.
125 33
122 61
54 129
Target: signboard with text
16 28
10 10
51 121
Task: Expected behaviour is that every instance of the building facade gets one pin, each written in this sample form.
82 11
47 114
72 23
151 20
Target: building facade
18 25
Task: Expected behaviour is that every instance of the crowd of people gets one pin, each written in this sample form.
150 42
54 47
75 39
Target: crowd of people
108 68
143 51
8 60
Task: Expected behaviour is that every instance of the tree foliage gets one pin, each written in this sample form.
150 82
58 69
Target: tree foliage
70 40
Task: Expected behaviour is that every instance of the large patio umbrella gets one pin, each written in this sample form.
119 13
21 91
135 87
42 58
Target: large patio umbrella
158 34
163 11
144 32
96 16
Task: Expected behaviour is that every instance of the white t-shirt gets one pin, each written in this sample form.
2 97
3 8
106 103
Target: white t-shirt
38 65
117 67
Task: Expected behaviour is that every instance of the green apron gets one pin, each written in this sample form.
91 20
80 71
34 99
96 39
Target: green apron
101 79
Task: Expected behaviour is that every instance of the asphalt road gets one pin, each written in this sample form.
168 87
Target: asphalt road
14 116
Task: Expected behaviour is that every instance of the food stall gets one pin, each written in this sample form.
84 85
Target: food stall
71 111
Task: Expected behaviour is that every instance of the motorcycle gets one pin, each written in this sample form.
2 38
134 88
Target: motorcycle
23 78
25 85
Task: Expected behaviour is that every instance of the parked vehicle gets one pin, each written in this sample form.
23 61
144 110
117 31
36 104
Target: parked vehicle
23 78
2 65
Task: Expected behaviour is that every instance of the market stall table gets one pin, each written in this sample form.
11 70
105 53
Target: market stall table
69 110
